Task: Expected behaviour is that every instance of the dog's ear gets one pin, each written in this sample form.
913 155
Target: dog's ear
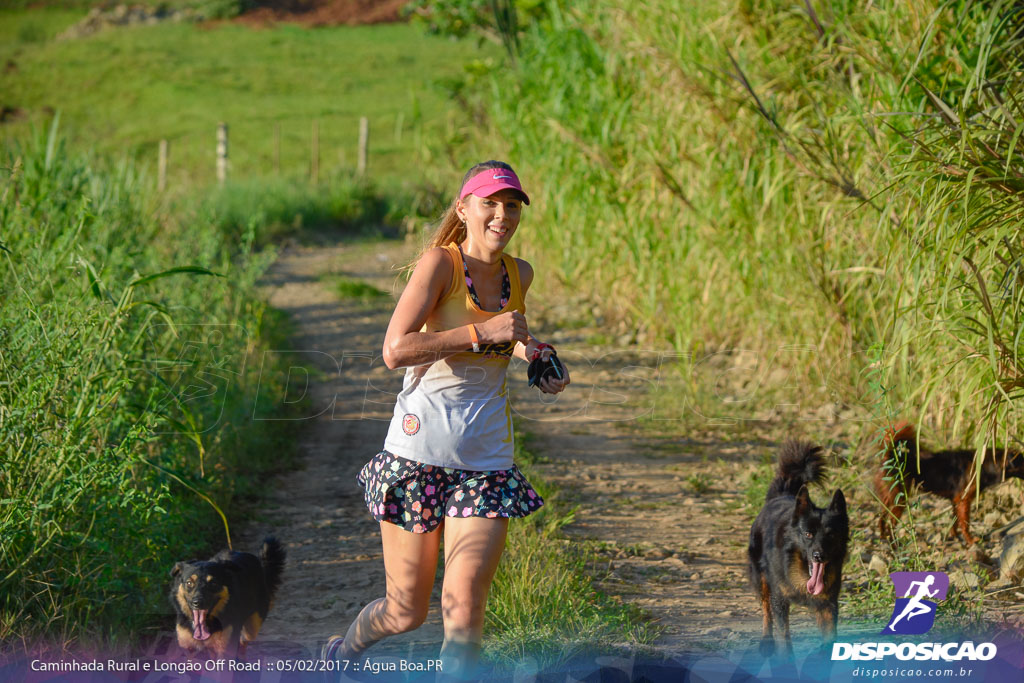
179 567
838 504
803 502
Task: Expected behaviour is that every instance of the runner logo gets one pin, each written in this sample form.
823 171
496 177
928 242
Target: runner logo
914 613
918 594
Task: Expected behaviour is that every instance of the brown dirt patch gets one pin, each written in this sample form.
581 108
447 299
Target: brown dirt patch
324 12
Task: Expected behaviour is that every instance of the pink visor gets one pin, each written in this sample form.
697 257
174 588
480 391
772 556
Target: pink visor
491 181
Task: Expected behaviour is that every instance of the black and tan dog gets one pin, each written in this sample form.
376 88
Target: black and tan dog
949 474
221 603
797 550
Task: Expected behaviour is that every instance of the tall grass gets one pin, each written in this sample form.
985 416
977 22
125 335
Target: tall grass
267 209
126 399
543 605
767 175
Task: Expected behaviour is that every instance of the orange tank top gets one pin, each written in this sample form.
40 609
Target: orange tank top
454 412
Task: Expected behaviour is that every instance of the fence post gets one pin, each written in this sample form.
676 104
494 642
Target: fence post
161 168
277 149
364 144
314 167
222 152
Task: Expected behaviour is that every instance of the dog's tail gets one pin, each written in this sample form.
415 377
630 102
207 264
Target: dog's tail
800 463
900 433
899 451
272 557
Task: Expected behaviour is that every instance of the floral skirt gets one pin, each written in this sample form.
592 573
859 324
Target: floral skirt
417 497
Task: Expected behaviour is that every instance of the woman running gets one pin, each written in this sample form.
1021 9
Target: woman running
446 467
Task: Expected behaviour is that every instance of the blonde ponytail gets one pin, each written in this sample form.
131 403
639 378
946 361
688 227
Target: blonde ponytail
449 229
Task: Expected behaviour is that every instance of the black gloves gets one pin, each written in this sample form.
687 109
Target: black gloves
544 369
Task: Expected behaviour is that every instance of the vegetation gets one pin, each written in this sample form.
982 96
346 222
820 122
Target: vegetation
274 208
833 187
500 21
543 604
177 81
127 318
347 288
825 178
126 395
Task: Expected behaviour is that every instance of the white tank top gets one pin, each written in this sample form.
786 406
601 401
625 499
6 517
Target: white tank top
455 412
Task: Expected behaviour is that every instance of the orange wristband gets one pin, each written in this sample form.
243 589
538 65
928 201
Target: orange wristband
474 337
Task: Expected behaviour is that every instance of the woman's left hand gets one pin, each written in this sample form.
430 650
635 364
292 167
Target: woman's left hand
552 385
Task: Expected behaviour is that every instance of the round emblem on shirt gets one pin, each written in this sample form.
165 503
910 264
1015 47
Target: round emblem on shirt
410 424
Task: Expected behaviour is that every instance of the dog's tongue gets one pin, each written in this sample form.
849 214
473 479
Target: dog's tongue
816 584
199 630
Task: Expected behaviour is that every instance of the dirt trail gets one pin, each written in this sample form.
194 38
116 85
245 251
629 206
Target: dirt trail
666 515
664 510
334 555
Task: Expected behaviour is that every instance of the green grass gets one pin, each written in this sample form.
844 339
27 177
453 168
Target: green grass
121 451
22 29
121 91
543 604
127 394
838 196
727 175
347 288
266 210
699 482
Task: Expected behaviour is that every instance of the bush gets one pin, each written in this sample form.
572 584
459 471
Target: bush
758 175
125 398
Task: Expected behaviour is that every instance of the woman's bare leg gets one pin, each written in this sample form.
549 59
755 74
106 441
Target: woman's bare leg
410 562
472 549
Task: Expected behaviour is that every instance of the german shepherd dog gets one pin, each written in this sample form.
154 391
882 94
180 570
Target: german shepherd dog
221 603
797 550
949 474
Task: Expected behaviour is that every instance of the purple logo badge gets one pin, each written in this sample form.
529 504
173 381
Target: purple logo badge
917 596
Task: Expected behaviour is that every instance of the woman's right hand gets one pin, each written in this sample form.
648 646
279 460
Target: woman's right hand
504 328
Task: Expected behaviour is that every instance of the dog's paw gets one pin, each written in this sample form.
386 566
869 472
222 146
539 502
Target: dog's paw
767 647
